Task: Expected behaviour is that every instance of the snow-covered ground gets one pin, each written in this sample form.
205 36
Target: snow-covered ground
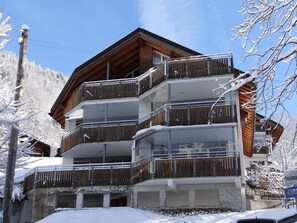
130 215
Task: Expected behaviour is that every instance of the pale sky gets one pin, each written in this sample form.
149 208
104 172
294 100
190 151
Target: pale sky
65 33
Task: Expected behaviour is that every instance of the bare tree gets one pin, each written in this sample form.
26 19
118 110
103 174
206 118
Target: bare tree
269 35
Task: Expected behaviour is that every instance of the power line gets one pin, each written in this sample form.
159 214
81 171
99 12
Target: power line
58 46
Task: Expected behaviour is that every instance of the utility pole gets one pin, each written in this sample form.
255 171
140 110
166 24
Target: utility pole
13 143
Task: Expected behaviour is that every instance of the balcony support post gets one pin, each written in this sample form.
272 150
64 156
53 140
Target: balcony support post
192 198
134 198
106 200
79 200
162 198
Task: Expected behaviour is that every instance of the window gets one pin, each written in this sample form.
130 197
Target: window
159 58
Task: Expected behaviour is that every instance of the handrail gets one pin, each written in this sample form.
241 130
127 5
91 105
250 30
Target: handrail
108 123
159 77
199 104
130 164
149 168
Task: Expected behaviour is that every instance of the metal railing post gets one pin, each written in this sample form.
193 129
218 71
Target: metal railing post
187 68
72 177
194 167
92 176
236 164
174 168
83 95
131 173
55 177
208 67
137 88
165 70
35 178
111 175
213 166
120 89
188 114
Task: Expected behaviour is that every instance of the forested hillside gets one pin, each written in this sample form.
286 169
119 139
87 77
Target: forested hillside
41 88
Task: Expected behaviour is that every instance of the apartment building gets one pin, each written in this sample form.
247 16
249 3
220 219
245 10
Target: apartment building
146 126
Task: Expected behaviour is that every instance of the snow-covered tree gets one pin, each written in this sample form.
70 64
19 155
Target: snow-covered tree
285 153
269 35
11 112
5 27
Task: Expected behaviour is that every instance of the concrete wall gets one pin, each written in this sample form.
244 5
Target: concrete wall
231 198
48 199
207 198
260 204
177 199
210 195
148 199
26 211
199 195
44 203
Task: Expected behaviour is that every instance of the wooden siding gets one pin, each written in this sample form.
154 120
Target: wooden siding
248 121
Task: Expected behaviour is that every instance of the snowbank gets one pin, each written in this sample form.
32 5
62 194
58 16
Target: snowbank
125 214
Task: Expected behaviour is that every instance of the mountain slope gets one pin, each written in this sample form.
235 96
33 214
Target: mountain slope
41 88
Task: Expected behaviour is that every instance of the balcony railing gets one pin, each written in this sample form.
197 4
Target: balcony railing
99 132
191 67
168 115
153 167
190 114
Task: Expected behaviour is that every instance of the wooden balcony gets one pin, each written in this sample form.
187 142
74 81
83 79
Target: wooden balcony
189 114
98 132
192 67
167 115
126 174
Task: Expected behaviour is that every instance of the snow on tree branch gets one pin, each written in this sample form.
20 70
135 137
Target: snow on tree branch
269 35
5 27
11 112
